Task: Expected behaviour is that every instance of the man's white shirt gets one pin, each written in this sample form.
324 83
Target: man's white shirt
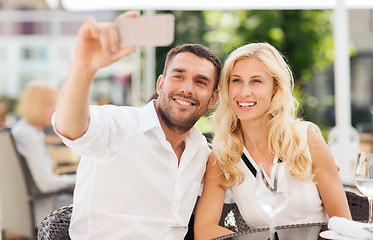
129 184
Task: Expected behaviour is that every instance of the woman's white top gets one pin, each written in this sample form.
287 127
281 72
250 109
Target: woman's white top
304 204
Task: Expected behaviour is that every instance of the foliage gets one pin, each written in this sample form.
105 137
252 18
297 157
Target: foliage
9 102
303 36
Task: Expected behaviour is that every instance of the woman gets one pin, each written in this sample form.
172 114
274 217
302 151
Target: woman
37 105
255 120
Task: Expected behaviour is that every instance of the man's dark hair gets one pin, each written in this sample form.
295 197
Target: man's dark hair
200 51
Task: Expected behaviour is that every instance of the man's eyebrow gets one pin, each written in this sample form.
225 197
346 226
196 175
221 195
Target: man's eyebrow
198 76
179 70
203 77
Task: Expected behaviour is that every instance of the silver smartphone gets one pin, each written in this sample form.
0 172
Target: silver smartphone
155 30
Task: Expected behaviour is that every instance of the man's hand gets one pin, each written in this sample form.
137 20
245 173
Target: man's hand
98 45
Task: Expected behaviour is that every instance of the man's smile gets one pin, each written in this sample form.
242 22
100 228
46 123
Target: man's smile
183 102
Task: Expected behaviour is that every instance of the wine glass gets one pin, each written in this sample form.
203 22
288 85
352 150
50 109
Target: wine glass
272 191
364 178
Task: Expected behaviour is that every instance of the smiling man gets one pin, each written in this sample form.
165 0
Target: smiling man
141 169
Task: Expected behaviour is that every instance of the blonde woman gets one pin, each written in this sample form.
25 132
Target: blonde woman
37 104
255 123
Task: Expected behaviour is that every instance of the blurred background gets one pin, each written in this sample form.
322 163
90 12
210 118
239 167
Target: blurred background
37 39
37 42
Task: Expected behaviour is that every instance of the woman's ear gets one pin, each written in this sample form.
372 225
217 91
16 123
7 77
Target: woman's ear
275 88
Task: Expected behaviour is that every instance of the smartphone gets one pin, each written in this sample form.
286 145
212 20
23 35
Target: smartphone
155 30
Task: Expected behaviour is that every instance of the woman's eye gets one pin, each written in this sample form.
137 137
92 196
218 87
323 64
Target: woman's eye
235 80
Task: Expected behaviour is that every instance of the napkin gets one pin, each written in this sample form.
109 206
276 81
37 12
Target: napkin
350 228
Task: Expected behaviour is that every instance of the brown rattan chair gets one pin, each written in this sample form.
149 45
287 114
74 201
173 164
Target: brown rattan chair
56 225
358 206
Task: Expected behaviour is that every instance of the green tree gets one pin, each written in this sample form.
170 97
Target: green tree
303 36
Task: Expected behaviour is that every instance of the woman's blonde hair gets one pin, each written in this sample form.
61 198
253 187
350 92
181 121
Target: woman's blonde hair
284 140
33 101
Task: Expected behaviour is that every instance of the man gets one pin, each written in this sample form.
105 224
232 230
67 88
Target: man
141 169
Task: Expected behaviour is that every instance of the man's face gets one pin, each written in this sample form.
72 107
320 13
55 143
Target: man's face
186 91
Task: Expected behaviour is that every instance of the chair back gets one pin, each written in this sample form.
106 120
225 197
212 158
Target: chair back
359 206
56 225
233 220
16 213
32 189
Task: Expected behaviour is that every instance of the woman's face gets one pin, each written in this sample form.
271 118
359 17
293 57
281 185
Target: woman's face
251 90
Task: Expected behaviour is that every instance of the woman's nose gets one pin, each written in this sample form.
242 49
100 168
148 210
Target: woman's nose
246 90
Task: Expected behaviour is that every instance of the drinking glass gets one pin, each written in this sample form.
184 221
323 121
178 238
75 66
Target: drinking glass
364 178
272 191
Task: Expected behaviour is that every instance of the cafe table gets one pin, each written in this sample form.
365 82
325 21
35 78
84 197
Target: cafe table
307 231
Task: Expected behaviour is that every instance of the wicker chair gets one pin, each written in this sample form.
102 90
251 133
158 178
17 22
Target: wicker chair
56 225
358 206
234 221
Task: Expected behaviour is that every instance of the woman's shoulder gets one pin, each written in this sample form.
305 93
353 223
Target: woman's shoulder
306 127
24 128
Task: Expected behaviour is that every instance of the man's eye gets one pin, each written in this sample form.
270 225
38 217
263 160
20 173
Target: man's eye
201 82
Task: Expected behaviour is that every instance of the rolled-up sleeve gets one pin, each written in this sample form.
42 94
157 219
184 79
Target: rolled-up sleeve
101 138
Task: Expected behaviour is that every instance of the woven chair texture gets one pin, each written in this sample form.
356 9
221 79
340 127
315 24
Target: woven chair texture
359 207
282 227
235 222
56 225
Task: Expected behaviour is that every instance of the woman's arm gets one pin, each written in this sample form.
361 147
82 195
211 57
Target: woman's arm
210 205
327 177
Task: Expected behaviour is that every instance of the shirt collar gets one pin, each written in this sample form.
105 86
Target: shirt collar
149 117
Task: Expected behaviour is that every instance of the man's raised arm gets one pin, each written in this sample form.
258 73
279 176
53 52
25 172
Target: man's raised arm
97 47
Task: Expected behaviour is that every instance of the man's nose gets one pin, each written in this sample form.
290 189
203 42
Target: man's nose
187 86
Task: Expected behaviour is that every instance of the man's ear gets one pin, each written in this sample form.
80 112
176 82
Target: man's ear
213 98
160 82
